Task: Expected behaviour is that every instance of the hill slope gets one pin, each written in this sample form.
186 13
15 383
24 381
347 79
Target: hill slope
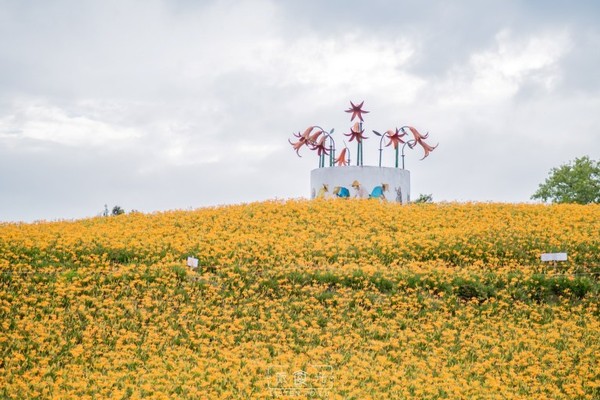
368 299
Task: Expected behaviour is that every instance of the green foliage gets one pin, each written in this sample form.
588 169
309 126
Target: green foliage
538 287
467 289
424 198
576 182
117 210
180 272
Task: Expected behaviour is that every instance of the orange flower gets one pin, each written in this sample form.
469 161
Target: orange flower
341 159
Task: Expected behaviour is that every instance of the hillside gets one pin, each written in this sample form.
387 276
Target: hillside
360 299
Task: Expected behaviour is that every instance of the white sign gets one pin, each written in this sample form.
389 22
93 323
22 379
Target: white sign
192 262
554 256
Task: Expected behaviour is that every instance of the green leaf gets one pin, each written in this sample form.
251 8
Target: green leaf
575 182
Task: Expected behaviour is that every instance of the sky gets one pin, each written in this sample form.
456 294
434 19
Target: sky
160 105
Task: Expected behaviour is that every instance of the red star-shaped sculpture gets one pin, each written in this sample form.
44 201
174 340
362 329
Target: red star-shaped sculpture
356 133
395 137
356 111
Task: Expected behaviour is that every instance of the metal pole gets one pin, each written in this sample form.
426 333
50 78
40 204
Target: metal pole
409 143
381 150
361 149
331 148
331 154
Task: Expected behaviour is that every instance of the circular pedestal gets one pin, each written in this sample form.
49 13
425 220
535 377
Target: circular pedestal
391 184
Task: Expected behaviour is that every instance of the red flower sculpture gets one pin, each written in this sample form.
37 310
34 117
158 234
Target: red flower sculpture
305 139
319 146
315 138
395 137
356 133
356 111
420 139
341 160
312 139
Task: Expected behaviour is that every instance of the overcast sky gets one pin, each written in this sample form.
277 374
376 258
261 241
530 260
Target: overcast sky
157 105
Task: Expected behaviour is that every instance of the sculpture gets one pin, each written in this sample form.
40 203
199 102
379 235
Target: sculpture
319 140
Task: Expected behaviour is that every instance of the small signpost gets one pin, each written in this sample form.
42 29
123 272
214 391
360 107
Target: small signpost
553 259
547 257
192 262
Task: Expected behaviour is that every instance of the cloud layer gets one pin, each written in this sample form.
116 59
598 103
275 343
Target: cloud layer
187 104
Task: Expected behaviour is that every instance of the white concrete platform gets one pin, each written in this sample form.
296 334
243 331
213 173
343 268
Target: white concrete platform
391 184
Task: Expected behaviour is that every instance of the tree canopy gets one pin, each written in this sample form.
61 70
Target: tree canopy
424 198
117 210
575 182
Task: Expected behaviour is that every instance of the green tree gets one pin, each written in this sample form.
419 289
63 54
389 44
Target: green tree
424 198
575 182
117 210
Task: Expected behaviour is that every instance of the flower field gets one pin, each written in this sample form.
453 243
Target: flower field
304 299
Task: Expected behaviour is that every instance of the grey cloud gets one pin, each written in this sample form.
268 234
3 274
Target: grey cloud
581 64
213 108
